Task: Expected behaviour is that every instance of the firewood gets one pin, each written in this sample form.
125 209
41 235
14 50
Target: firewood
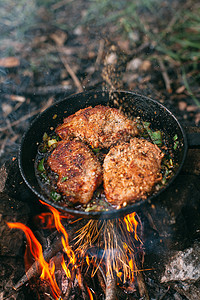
54 248
69 288
35 270
110 287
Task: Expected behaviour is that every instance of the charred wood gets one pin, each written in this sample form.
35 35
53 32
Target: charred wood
110 287
54 248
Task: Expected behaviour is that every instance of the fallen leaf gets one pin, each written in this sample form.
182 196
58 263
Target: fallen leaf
145 66
134 64
6 108
124 45
182 105
9 62
111 59
180 89
59 37
17 98
191 108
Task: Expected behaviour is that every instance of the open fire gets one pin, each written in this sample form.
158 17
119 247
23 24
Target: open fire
111 246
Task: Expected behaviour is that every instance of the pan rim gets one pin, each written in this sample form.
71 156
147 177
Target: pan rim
111 213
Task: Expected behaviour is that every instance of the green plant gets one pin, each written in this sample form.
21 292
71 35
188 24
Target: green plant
173 29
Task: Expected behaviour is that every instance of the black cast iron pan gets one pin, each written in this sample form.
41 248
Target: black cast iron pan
136 105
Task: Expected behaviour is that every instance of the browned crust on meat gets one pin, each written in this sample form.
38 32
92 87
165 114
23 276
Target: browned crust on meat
79 171
130 171
99 127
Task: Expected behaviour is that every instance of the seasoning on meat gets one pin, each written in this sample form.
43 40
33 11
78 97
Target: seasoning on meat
79 171
130 171
99 127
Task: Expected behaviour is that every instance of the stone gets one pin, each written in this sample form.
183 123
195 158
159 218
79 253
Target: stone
183 265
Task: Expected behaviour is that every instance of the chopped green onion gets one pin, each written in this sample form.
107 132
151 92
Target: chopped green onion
55 196
52 142
175 137
64 178
41 167
176 145
155 136
164 179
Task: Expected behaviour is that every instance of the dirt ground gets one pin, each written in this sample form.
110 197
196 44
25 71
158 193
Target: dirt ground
49 51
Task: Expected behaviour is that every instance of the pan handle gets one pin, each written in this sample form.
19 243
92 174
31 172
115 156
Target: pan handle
193 137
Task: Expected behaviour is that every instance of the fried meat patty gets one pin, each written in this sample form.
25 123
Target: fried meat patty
99 127
79 171
130 171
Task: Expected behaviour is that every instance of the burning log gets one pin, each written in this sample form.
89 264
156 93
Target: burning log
69 288
102 279
110 287
142 287
52 250
35 269
81 284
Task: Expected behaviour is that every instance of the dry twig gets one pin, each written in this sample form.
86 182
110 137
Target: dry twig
97 63
26 117
142 286
69 70
40 90
165 75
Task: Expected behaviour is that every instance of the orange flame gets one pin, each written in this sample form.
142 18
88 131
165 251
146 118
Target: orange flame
65 268
87 260
45 220
131 265
90 293
61 228
131 224
119 274
36 250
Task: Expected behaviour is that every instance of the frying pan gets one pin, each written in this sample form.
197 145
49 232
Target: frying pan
134 104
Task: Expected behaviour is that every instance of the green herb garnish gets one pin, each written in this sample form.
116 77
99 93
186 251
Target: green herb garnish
55 196
176 142
64 178
176 145
41 167
155 136
175 137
